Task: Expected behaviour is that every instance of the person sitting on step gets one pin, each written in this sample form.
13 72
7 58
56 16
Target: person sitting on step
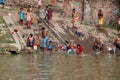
30 40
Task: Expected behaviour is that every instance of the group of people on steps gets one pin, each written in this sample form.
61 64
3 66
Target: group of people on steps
47 45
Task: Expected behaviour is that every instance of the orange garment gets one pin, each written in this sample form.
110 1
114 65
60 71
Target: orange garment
52 1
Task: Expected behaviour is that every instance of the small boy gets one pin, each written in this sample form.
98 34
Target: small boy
50 47
21 16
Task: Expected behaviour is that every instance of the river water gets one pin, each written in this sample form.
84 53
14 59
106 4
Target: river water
59 67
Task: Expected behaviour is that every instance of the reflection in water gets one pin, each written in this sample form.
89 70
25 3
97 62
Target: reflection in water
59 67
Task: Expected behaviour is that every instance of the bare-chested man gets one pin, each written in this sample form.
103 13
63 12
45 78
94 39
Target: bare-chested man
117 41
118 25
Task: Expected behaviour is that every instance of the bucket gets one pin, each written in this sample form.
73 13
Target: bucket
35 46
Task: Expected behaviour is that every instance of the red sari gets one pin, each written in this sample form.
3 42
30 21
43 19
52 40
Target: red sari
50 12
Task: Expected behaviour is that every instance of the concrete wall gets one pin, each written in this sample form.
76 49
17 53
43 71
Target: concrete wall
107 6
69 5
91 8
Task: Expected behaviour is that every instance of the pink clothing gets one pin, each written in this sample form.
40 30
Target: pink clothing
74 20
39 2
29 18
31 39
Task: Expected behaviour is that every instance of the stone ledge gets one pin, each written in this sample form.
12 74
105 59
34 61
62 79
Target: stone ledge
20 43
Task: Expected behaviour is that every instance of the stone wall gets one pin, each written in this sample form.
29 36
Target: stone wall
91 8
106 6
19 2
69 5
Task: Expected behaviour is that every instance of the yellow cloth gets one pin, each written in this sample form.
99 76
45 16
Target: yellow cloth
100 21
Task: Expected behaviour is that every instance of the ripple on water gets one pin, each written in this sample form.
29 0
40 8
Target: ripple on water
59 67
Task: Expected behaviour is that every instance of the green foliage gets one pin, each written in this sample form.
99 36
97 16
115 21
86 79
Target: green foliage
5 37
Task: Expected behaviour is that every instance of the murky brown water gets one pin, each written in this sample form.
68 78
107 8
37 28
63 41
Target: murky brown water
59 67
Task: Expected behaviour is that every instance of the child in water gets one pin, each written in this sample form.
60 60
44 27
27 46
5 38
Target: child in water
50 47
79 49
67 47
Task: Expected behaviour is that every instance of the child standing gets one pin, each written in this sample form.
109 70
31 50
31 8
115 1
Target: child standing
100 18
29 18
21 16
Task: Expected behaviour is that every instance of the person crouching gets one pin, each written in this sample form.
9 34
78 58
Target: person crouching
30 40
97 45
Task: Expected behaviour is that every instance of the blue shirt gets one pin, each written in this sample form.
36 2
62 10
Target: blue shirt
21 15
50 47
